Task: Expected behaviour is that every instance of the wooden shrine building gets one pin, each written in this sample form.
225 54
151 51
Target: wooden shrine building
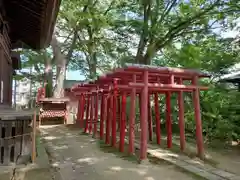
233 78
23 24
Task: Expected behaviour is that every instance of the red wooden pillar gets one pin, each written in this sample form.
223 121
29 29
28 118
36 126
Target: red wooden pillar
157 116
132 119
197 111
107 138
168 114
91 113
149 118
144 116
87 113
168 119
181 118
114 113
123 122
139 104
102 116
82 111
118 111
96 115
79 112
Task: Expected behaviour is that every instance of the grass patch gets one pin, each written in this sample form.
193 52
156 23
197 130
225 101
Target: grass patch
157 161
176 149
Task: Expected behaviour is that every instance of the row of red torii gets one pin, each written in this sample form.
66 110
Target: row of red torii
111 91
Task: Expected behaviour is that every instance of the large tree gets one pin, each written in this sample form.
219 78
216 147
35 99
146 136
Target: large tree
158 23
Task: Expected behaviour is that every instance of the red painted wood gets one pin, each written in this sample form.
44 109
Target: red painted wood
79 112
118 111
181 119
150 134
139 104
123 123
132 119
82 108
155 81
87 114
96 115
102 116
167 86
198 120
143 118
157 116
172 79
91 113
168 120
114 113
107 138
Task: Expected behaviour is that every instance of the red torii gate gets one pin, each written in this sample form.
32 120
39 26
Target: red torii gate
139 80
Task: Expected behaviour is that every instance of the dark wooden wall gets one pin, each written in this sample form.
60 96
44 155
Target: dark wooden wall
6 69
15 140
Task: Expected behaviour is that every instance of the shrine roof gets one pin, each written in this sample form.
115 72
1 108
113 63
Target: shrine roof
30 22
231 77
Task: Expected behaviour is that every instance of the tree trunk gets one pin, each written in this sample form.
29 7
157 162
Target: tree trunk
61 68
30 91
93 67
144 38
48 75
150 52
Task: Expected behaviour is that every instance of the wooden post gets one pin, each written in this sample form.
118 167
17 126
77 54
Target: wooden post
114 113
118 112
87 113
168 119
132 119
144 116
107 140
149 118
96 115
157 116
102 118
140 111
91 113
79 112
181 118
34 137
82 110
168 114
197 112
123 122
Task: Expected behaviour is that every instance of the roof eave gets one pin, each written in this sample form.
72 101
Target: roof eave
48 23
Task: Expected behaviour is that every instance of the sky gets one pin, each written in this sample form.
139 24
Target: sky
74 75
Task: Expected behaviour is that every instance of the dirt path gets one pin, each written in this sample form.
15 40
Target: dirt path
79 157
